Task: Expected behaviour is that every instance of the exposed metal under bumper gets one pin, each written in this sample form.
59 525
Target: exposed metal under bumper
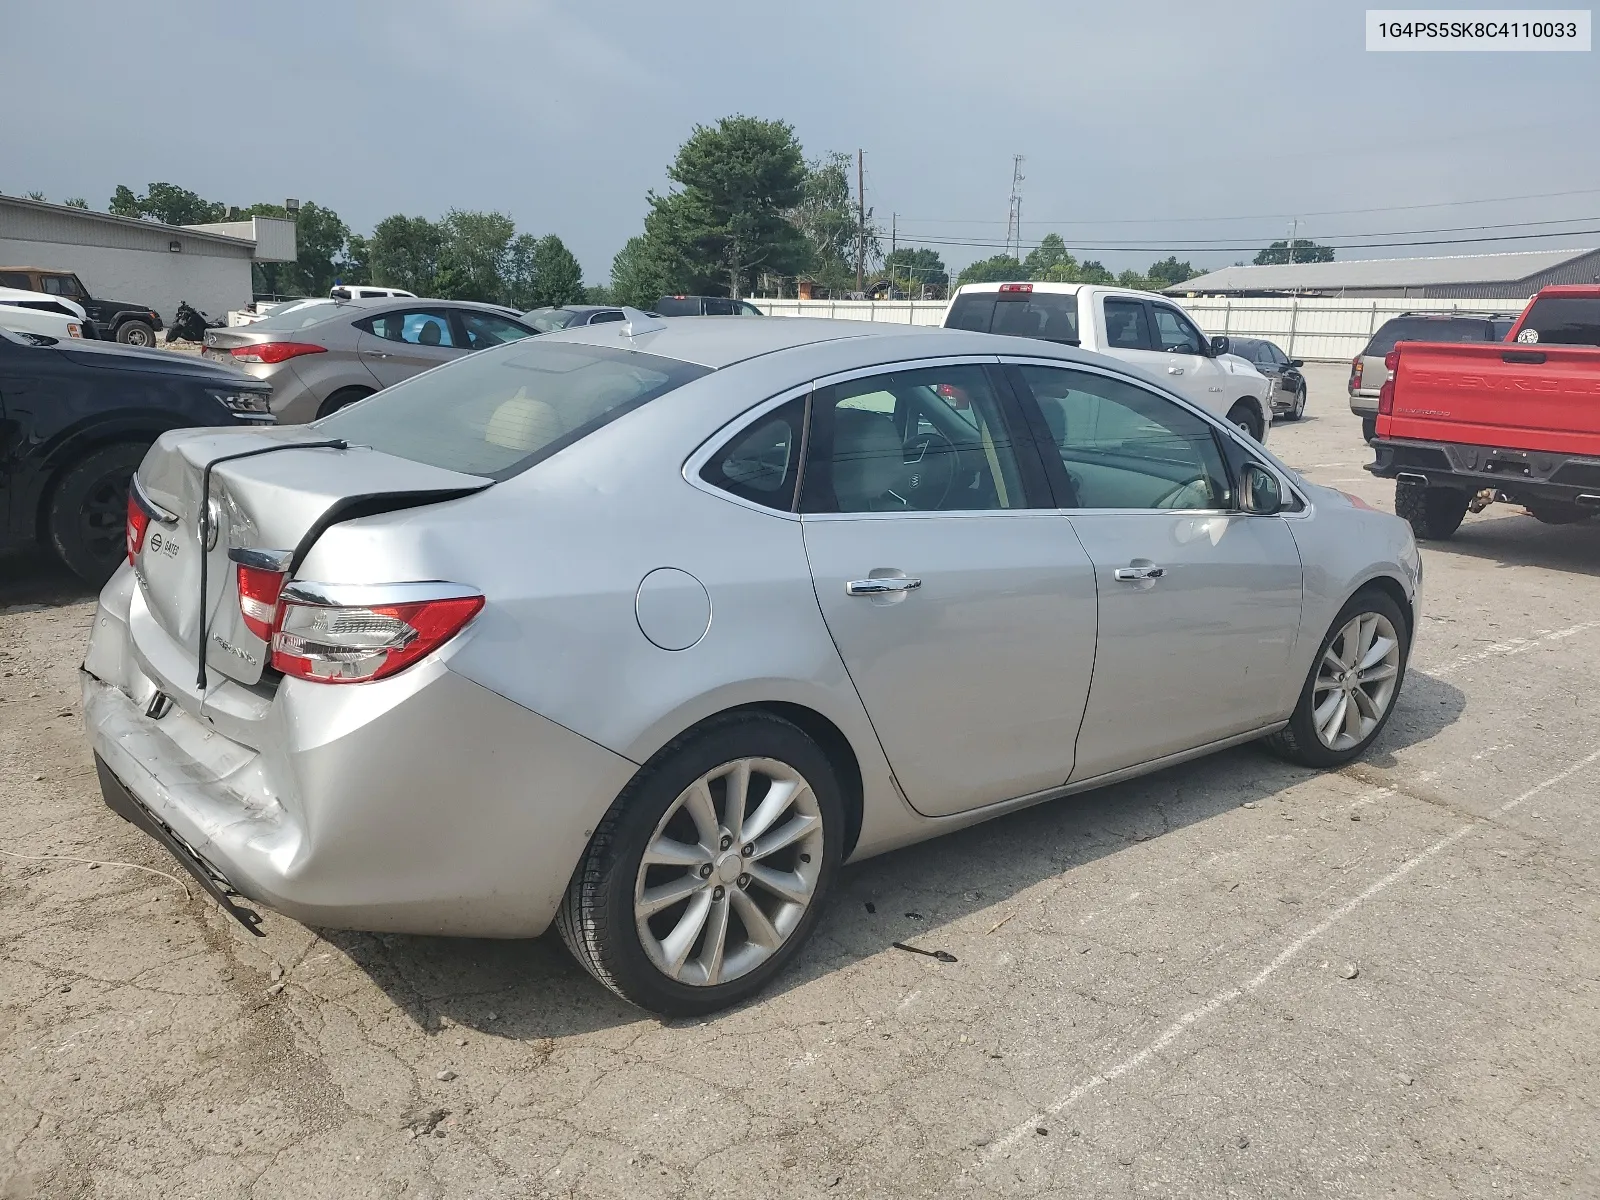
121 801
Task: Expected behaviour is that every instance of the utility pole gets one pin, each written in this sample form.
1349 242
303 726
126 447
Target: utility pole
894 223
1294 228
861 224
1014 210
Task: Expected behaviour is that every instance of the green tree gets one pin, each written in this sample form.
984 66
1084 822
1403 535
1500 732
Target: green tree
1169 272
558 279
913 268
1000 268
1305 250
739 179
124 203
75 202
404 252
473 258
36 196
1132 279
1093 271
826 217
173 205
641 272
322 241
1050 260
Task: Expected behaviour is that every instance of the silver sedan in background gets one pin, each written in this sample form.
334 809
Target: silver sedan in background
320 355
645 628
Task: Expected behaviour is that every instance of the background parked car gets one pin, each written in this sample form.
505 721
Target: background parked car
569 316
79 417
1288 394
49 316
118 320
320 356
705 306
366 291
1368 374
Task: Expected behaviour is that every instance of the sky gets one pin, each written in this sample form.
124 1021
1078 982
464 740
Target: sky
1153 125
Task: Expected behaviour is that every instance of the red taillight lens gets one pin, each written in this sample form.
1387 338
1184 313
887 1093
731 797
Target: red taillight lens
1356 367
1391 360
1016 287
258 599
275 352
353 644
1386 397
138 522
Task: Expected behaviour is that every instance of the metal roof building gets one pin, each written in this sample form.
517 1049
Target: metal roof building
144 262
1481 276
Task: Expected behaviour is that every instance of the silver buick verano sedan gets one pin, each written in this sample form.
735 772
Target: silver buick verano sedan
645 628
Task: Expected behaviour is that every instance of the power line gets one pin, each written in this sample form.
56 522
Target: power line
1330 212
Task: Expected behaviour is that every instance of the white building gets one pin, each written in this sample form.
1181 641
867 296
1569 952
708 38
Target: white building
144 262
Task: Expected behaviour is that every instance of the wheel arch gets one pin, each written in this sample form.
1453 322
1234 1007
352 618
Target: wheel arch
1396 591
71 450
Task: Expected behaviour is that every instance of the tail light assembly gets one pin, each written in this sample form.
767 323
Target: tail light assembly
274 352
1386 392
353 633
1356 367
141 511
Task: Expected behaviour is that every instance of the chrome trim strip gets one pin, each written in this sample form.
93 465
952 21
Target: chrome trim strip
263 560
365 595
153 510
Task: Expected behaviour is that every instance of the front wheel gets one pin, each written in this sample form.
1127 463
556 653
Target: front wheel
1244 417
136 333
1351 689
1299 409
1434 512
707 874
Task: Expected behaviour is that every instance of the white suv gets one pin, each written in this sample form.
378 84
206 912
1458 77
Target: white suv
37 312
1141 328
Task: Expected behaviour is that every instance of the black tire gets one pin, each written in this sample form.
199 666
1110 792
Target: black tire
1298 741
1299 409
596 919
340 399
86 513
1244 416
137 333
1434 512
1558 512
1369 428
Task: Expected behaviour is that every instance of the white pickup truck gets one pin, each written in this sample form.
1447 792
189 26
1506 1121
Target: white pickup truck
1140 328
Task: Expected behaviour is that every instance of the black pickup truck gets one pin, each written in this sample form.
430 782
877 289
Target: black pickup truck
114 320
75 421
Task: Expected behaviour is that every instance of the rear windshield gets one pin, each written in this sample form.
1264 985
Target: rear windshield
297 316
1430 329
678 306
497 412
548 320
1049 316
1565 320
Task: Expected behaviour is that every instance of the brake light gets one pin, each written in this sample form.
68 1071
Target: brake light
352 642
1016 287
275 352
258 599
1392 360
138 523
1356 367
1386 397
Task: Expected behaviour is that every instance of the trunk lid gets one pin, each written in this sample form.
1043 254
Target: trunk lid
280 498
1526 397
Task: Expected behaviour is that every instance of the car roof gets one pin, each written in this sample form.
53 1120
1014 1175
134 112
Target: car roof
374 302
718 342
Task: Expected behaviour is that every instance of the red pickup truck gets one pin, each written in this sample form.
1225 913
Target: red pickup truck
1467 424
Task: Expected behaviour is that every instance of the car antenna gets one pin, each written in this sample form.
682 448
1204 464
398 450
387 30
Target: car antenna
637 322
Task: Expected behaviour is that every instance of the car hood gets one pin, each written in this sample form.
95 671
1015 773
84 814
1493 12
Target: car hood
117 357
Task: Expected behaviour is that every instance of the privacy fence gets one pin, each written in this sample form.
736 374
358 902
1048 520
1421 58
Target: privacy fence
1319 328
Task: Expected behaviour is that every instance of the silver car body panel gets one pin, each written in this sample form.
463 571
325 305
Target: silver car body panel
458 795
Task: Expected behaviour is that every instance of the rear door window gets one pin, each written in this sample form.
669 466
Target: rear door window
1564 321
678 306
498 413
1127 327
415 327
485 329
717 307
1429 329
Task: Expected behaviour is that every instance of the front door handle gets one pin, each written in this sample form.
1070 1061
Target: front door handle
881 587
375 354
1135 574
1174 370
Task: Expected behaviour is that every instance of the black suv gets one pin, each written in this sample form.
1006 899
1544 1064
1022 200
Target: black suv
75 421
705 306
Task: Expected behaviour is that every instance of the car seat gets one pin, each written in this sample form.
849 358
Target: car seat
868 459
431 334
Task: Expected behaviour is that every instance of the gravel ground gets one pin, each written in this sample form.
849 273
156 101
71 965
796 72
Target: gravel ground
1234 978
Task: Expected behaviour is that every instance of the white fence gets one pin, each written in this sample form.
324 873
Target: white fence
1319 328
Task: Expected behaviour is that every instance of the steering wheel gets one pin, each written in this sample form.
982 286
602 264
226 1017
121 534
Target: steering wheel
931 463
1171 498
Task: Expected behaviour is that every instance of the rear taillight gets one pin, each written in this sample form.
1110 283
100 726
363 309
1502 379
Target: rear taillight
1386 397
258 599
275 352
1391 360
138 523
1356 366
354 634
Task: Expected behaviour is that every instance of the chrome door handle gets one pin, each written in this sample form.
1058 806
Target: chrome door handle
375 354
880 587
1134 574
1174 370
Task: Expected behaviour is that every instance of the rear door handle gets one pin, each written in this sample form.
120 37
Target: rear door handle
1134 574
881 587
1174 370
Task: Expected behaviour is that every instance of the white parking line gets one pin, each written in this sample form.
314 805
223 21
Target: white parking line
1510 646
1004 1143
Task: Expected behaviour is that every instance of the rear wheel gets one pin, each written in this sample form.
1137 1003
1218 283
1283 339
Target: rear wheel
136 333
707 874
342 398
1243 416
1299 409
86 516
1557 512
1350 691
1434 512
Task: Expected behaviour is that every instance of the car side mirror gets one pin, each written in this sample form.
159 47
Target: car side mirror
1297 362
1219 345
1260 494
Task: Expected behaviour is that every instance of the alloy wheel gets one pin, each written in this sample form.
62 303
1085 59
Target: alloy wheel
103 518
729 872
1355 681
